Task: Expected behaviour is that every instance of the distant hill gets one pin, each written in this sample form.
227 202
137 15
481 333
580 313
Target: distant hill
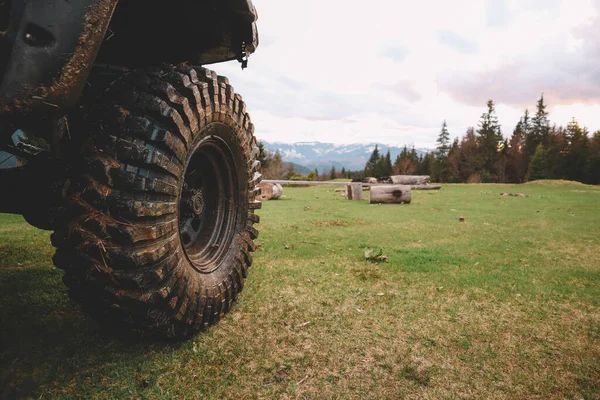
299 168
323 156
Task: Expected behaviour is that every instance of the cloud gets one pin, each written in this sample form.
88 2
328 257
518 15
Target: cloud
564 72
396 54
391 71
498 13
456 42
404 89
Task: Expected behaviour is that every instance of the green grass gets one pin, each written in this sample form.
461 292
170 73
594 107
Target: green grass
505 305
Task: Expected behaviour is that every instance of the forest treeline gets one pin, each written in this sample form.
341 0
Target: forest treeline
536 149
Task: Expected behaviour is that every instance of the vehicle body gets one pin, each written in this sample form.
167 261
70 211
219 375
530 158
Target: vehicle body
138 158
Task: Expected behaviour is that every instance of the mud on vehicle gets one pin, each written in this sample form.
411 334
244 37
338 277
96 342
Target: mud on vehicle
142 162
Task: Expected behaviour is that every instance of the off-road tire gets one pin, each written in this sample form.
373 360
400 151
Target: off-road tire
125 252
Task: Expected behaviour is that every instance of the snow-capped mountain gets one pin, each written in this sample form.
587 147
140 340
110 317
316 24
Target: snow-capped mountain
323 156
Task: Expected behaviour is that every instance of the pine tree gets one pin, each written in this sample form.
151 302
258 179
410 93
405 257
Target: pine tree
540 128
371 165
332 173
443 142
516 166
538 167
263 156
387 164
452 163
414 157
489 137
557 148
403 164
593 172
469 161
576 162
424 164
439 168
343 172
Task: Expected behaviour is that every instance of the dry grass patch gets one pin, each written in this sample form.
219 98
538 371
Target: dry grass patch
330 223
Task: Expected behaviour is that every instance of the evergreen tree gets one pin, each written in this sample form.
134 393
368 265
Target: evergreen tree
332 173
424 164
516 166
489 137
593 172
452 163
371 165
469 162
576 162
404 164
387 164
538 167
414 157
263 155
439 168
343 172
500 166
443 142
558 147
540 128
526 123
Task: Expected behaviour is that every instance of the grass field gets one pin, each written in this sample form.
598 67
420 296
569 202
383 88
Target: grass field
505 305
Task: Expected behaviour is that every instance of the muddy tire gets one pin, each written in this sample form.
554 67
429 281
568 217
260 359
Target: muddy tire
162 203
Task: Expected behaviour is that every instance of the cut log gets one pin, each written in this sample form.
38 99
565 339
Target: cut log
354 191
270 191
410 179
389 194
425 187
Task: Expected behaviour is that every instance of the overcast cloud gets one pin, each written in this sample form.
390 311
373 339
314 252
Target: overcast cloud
391 71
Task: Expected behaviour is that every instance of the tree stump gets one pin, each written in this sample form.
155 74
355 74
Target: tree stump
410 179
354 191
270 191
390 194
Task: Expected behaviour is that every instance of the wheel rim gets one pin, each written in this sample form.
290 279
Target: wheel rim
207 210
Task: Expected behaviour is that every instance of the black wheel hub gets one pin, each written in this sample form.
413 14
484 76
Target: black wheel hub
207 207
192 202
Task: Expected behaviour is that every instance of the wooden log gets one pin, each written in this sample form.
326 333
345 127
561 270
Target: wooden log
277 191
305 183
270 191
389 194
357 193
425 187
354 191
410 179
348 192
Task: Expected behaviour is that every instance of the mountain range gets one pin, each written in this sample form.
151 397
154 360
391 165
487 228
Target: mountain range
323 156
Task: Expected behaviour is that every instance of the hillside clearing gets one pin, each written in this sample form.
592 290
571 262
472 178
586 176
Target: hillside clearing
504 305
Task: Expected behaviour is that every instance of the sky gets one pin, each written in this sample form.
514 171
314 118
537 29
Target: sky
391 71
